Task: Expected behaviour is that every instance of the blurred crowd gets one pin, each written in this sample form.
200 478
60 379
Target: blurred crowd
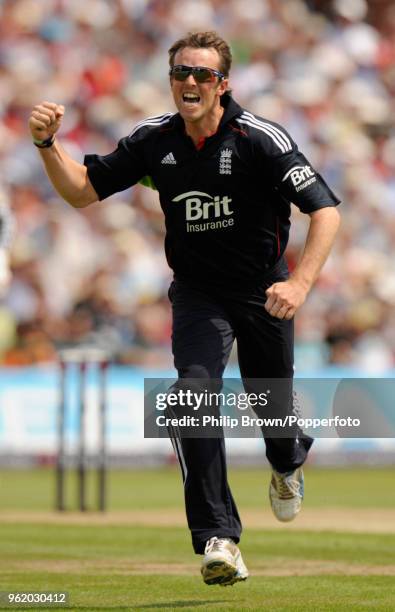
323 69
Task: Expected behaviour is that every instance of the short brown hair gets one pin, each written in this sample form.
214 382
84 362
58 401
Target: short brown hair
204 40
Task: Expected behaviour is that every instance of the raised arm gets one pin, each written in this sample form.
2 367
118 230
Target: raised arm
69 178
284 298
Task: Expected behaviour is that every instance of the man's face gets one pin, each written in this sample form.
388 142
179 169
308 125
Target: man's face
206 95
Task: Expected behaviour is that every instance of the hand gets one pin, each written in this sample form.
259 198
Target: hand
284 298
45 120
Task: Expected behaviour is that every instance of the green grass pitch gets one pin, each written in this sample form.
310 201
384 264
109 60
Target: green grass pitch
116 565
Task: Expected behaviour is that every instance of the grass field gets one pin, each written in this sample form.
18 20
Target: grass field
338 555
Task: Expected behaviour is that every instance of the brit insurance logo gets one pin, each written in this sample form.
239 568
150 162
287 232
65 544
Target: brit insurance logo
301 177
212 212
225 161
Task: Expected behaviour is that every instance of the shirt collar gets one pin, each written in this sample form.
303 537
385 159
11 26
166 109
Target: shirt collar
232 109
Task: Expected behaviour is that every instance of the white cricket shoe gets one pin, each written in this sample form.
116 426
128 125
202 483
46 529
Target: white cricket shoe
286 494
222 562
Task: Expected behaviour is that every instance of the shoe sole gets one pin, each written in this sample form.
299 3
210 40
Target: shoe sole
236 578
220 572
286 519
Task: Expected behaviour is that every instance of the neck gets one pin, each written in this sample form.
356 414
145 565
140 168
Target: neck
206 127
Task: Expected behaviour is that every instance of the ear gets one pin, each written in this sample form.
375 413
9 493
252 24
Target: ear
222 87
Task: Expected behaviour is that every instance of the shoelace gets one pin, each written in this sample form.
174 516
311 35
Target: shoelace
215 544
296 409
287 487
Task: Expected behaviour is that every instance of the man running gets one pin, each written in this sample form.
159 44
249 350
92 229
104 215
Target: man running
226 179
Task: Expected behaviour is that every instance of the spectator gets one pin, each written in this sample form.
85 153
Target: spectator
325 70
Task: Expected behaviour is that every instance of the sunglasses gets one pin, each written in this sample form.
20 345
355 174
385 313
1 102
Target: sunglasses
199 73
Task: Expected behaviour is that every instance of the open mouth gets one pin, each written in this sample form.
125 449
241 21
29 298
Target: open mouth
190 98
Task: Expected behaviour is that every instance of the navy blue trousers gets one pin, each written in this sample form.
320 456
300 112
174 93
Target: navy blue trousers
205 324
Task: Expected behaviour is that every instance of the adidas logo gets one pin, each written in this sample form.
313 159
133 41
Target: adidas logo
168 159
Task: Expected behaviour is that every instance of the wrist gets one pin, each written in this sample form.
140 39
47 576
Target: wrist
304 282
44 144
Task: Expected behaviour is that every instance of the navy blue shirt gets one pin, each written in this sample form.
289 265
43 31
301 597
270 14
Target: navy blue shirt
227 205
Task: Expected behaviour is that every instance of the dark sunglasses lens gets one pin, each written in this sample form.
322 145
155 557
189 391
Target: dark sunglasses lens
202 75
180 75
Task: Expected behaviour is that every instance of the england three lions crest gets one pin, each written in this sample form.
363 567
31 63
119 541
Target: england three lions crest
225 161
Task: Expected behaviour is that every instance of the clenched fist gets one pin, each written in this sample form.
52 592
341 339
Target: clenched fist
45 120
284 298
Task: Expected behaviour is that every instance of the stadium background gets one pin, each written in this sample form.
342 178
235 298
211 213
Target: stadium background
323 69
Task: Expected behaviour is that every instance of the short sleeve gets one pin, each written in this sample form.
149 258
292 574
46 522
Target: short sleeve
118 170
299 183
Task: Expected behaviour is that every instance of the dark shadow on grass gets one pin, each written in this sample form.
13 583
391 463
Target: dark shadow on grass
130 607
183 604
